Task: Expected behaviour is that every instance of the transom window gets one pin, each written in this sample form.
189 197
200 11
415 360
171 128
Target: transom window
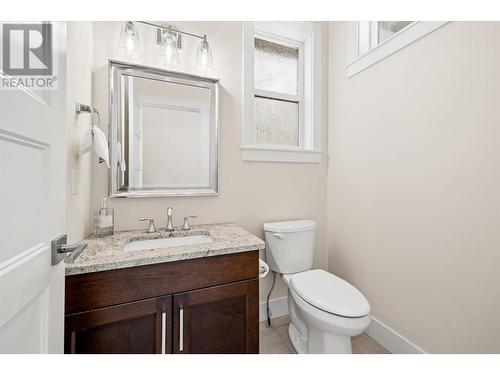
386 29
369 42
373 33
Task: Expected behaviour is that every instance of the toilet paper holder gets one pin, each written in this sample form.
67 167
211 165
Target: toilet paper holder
263 269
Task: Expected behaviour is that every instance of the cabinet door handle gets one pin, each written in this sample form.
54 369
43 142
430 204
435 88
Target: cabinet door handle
163 331
181 329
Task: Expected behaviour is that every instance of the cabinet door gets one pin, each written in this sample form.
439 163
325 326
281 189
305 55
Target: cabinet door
142 327
221 319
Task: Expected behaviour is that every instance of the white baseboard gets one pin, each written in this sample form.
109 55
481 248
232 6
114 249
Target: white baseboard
278 307
390 339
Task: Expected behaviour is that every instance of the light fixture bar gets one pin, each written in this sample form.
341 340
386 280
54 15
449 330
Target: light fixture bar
204 37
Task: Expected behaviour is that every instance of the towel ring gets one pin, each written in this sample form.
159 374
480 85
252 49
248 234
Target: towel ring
85 108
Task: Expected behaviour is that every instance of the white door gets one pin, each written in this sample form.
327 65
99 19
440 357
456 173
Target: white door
32 211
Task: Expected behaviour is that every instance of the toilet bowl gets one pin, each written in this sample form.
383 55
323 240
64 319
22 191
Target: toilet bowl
325 311
315 329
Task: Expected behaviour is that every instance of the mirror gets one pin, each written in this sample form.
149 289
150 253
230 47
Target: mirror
163 132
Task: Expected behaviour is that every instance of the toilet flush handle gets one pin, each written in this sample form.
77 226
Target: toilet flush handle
278 235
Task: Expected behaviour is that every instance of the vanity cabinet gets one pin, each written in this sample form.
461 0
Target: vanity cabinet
142 327
203 305
217 320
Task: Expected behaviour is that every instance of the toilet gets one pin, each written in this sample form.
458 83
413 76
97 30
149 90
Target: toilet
325 311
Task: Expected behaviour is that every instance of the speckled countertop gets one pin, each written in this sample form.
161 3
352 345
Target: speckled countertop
106 253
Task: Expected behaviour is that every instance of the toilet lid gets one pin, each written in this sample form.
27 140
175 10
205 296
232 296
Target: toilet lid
330 293
290 226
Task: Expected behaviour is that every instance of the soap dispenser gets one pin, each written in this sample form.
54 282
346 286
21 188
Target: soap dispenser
104 220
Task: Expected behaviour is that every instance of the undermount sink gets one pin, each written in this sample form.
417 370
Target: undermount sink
161 243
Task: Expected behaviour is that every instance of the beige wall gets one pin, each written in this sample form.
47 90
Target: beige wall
79 88
251 193
414 186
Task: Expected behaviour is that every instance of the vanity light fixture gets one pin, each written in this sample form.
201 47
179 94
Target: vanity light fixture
128 44
169 52
204 59
170 44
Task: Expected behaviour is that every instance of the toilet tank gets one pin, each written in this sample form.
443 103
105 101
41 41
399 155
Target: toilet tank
290 245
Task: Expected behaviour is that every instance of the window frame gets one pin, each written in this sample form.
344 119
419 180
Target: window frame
305 36
364 49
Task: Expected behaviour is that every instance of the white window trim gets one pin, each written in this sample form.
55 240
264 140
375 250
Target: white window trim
403 38
288 33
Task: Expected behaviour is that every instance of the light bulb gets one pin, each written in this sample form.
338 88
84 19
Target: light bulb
169 53
128 44
204 61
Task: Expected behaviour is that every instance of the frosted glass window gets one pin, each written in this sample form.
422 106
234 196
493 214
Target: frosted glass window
276 67
276 122
386 29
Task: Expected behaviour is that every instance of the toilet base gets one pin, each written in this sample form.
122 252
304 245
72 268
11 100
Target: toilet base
319 342
298 341
316 332
328 343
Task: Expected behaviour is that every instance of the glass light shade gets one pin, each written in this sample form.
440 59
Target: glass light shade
128 44
169 53
204 61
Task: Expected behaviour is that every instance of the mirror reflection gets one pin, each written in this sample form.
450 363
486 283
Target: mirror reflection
166 134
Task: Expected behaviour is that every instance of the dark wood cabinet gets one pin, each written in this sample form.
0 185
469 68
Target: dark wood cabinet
142 327
206 305
221 319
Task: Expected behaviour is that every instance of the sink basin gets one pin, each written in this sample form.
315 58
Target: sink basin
161 243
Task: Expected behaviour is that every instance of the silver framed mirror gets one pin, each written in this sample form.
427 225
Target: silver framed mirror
163 132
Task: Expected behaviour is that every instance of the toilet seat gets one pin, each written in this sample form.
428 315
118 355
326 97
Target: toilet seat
330 293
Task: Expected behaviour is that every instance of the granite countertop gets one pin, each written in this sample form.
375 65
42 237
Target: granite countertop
106 252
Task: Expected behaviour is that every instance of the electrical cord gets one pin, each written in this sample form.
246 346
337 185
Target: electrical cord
268 310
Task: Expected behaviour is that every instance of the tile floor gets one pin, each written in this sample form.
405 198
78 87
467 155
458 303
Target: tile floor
275 340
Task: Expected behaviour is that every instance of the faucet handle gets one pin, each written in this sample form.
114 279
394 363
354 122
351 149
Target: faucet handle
186 226
151 228
170 224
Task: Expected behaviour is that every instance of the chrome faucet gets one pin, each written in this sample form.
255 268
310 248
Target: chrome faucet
170 225
151 228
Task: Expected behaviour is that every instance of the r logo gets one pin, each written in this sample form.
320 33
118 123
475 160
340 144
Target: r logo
27 49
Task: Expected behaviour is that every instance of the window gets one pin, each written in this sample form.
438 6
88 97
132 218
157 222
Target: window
281 112
386 29
278 93
372 41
